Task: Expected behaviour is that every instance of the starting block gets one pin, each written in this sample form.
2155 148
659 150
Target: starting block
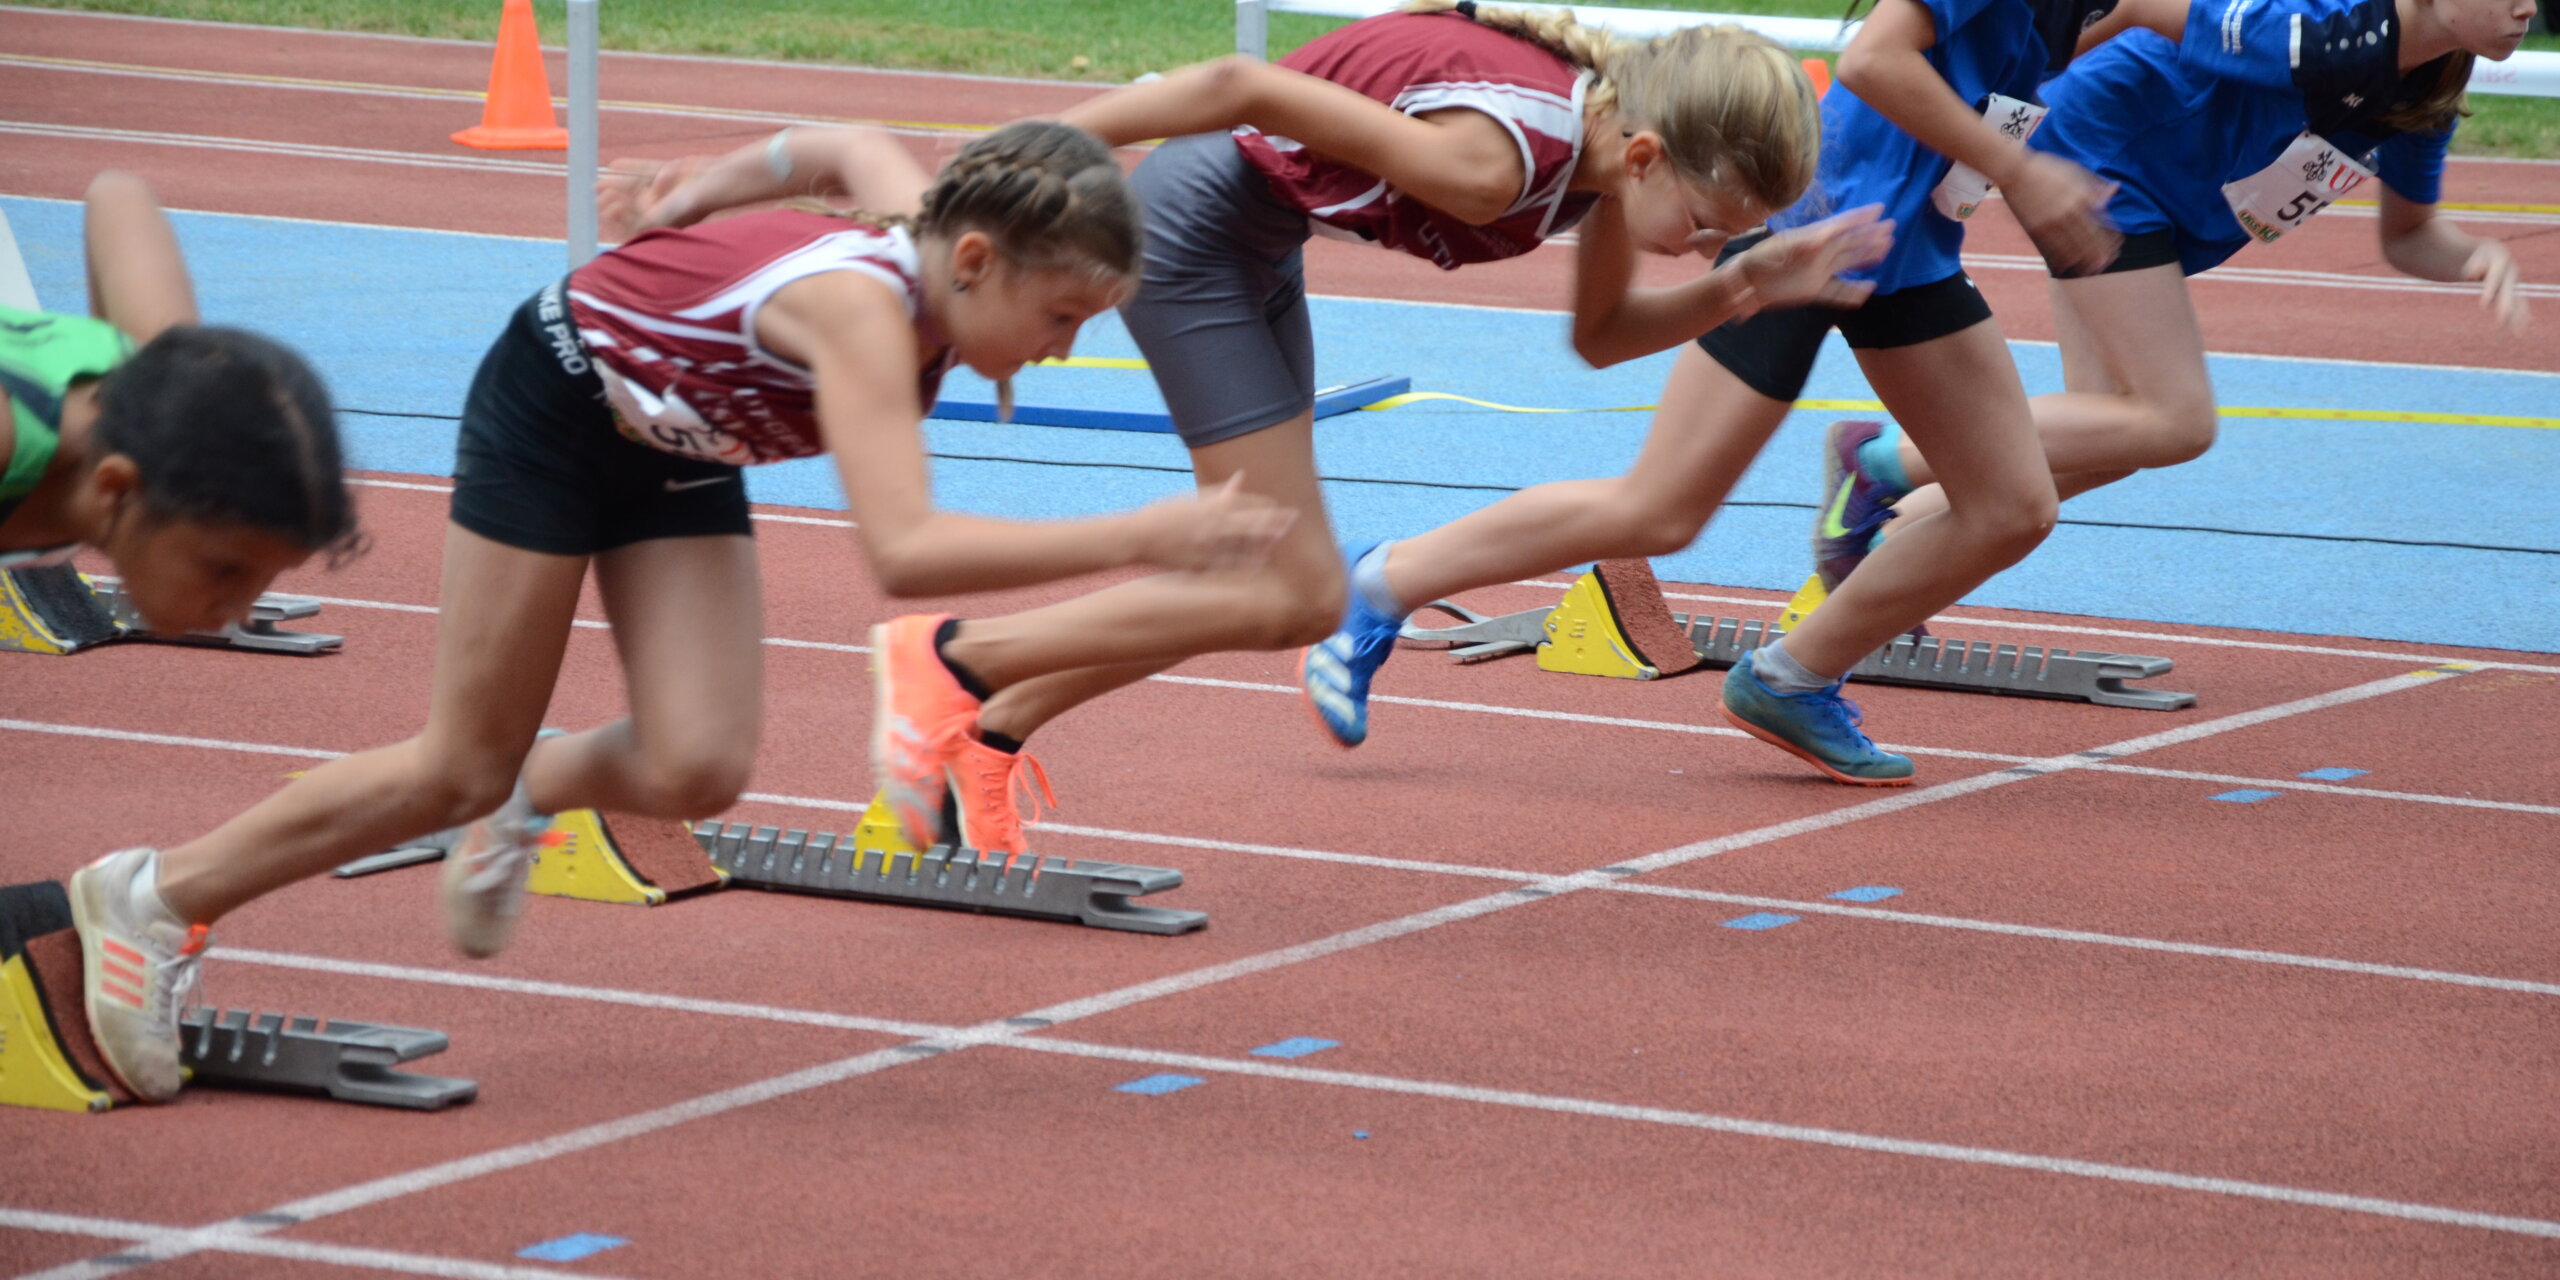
48 1061
1614 621
58 609
647 861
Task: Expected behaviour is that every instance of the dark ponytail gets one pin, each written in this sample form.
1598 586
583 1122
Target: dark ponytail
226 427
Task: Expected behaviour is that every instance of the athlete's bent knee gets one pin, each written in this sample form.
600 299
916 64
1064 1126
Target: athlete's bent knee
2186 432
696 785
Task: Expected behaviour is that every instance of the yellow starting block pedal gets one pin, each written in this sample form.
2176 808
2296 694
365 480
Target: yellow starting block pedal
1808 598
53 610
40 1065
49 1061
641 861
1614 621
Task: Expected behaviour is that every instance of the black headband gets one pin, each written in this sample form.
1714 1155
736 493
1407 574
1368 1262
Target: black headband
1467 9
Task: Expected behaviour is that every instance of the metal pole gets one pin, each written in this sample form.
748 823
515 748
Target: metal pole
1253 30
582 132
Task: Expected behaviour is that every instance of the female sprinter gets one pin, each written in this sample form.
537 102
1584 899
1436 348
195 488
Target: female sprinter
1915 86
2210 141
606 427
203 464
1459 137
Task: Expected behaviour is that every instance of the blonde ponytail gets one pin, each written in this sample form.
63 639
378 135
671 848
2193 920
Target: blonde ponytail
1732 107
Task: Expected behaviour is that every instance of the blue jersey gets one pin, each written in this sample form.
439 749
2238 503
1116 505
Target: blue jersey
1983 47
2170 123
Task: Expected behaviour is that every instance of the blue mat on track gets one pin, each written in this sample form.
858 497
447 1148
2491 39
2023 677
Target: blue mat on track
2315 514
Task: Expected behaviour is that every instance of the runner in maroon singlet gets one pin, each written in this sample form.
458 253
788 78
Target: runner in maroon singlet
605 430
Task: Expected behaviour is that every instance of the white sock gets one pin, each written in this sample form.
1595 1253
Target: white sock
1369 578
142 894
1781 672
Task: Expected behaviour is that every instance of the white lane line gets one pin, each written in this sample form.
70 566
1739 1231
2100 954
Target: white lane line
2252 954
397 1186
725 115
1879 1144
1531 713
416 1264
1518 876
1478 1095
208 142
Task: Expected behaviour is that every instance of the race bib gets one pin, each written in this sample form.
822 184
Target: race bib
2307 178
668 424
1964 190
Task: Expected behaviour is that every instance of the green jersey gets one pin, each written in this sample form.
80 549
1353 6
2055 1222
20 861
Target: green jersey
42 357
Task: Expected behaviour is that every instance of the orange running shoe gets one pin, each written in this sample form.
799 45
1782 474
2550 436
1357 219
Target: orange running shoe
918 711
984 783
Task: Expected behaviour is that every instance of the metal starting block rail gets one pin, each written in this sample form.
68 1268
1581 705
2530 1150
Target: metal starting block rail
1093 893
57 609
645 861
1927 662
346 1061
50 1060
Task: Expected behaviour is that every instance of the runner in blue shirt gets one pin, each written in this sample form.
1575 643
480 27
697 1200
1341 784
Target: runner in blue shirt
1925 86
2260 114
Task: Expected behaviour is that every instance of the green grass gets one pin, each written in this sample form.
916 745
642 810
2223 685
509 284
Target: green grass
1104 41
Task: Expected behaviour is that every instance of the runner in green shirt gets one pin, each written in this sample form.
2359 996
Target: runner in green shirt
202 460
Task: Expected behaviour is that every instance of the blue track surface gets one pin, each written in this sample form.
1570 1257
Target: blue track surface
397 320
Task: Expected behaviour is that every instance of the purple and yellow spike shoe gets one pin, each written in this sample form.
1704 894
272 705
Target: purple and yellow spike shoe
1855 505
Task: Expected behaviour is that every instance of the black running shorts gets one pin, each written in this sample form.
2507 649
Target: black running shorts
1773 352
540 467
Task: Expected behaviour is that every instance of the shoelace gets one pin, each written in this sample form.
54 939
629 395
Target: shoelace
493 866
175 991
1012 779
1849 718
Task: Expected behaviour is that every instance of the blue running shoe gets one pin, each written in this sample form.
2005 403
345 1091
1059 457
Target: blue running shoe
1335 674
1820 727
1855 505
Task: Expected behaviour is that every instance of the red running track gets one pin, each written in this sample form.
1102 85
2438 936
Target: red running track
2109 1025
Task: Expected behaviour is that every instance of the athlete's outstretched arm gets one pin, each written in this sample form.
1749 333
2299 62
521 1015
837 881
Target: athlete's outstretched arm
2061 205
137 278
1800 267
2421 242
867 166
1460 162
852 332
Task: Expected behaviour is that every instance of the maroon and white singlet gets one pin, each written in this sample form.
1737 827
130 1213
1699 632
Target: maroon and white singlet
670 319
1434 62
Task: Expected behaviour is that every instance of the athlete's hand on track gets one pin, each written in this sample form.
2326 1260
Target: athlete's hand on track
2501 285
633 196
1801 267
1222 528
2064 209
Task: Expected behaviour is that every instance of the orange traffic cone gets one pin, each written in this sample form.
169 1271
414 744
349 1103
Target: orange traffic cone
518 114
1818 71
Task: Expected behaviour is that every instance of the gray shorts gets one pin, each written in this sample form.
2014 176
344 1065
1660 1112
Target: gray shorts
1221 311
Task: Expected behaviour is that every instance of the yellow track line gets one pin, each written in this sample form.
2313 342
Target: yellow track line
359 86
1877 406
2228 411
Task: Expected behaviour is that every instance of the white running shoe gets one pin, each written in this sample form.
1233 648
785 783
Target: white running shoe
140 966
485 874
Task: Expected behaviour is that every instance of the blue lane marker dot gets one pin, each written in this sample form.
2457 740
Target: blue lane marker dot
2245 796
1868 893
1359 1133
1759 920
1296 1047
2334 775
571 1248
1163 1083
